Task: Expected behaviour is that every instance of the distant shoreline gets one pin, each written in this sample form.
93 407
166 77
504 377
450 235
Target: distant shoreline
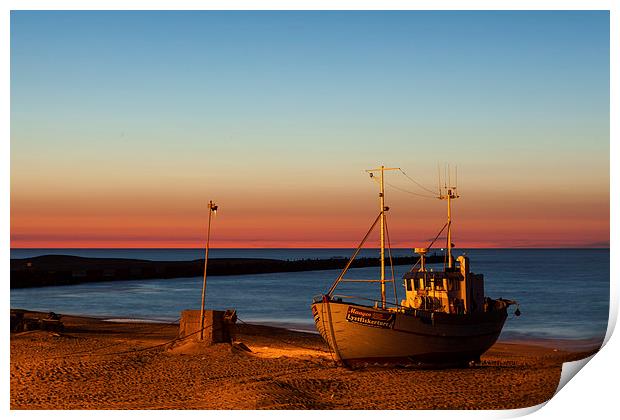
57 270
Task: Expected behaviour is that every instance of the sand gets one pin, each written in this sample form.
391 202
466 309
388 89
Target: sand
95 364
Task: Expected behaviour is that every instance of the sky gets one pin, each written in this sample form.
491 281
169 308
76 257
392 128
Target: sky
125 124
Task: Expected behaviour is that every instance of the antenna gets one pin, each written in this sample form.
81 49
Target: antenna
439 177
456 176
449 193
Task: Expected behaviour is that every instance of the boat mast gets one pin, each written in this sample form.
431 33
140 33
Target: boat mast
383 209
382 204
449 230
450 193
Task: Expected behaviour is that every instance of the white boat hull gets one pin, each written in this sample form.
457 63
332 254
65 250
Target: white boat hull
360 334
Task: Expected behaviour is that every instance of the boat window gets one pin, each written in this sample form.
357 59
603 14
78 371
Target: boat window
409 284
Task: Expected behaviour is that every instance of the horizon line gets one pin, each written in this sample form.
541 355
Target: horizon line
316 247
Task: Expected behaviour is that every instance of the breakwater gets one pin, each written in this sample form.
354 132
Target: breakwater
55 270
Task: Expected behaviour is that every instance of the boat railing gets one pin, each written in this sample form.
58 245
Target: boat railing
423 314
406 309
362 281
375 302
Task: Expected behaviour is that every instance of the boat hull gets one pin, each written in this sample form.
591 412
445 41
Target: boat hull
360 334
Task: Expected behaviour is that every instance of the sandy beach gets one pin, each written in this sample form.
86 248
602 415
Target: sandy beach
96 364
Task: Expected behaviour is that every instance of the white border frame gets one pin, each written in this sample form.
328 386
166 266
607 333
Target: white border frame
592 394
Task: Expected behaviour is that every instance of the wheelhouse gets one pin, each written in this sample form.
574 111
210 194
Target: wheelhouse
455 290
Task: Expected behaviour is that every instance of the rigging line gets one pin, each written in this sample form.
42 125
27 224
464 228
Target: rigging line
387 233
92 351
276 338
430 245
402 189
409 192
448 245
131 351
417 183
331 289
156 345
433 241
368 299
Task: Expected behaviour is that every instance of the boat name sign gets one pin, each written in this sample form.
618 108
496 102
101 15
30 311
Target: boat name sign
370 318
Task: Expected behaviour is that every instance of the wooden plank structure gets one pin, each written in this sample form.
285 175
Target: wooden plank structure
20 323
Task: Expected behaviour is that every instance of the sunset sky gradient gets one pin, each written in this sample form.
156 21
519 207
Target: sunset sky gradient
125 124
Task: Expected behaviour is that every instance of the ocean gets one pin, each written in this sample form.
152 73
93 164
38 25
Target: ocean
562 293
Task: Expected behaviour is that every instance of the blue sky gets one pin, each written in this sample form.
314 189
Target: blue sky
293 100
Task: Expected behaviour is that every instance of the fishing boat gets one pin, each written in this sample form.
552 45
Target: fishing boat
444 320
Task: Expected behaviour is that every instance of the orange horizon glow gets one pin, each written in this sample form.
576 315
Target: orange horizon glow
111 148
219 240
293 220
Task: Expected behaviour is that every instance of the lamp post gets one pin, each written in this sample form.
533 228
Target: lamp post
212 210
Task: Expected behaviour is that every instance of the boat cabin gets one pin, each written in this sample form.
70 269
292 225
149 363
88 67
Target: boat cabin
455 290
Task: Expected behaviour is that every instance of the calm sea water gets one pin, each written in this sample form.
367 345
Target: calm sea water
563 293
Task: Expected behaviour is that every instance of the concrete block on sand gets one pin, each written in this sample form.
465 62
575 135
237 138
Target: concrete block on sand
215 329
